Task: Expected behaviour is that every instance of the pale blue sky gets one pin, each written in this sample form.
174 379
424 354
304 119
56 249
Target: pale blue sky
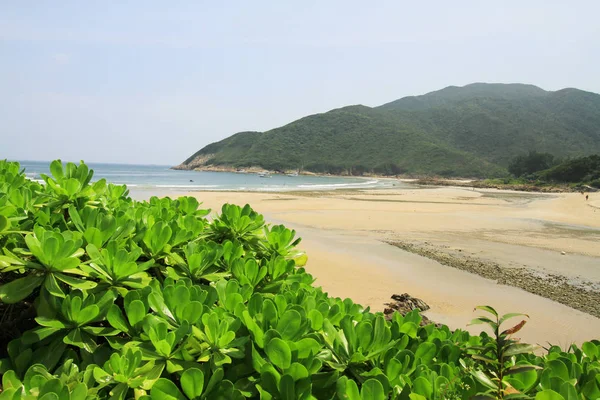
154 81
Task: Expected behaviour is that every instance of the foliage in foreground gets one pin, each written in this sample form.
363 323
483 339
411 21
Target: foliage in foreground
107 298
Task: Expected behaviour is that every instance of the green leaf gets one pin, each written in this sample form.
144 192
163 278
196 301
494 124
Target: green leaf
19 289
426 352
410 329
87 314
569 392
164 389
518 369
488 309
76 218
316 319
253 327
484 320
192 312
591 350
511 315
56 168
94 236
136 311
49 396
298 371
558 369
71 186
10 380
101 376
423 387
116 319
287 388
548 395
75 338
484 379
381 334
592 387
307 347
51 386
485 359
76 283
372 389
50 322
289 324
79 392
192 382
519 348
522 376
352 392
51 285
279 353
4 223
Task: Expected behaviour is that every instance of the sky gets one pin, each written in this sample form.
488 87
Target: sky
151 82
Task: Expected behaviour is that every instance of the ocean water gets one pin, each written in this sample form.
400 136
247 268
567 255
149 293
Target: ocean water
162 179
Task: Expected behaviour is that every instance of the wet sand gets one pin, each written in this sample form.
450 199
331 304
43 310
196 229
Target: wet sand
345 235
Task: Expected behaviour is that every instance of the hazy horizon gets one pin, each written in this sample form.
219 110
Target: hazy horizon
145 83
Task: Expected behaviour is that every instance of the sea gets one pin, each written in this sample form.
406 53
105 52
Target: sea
160 179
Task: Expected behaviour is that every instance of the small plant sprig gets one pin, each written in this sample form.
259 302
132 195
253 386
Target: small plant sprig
496 358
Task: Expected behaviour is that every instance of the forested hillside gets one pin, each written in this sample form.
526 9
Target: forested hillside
471 131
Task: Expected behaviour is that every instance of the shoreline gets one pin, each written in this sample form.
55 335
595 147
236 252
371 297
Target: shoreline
257 170
426 181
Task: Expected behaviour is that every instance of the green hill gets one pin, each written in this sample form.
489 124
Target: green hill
472 131
584 170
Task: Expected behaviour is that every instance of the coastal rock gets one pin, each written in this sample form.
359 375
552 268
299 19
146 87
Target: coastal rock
405 303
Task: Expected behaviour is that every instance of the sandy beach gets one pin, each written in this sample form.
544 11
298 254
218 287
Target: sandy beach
500 242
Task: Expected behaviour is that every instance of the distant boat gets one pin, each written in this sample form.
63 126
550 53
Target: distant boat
264 174
293 174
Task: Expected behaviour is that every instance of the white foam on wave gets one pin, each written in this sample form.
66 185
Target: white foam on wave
187 186
34 179
129 174
333 185
272 189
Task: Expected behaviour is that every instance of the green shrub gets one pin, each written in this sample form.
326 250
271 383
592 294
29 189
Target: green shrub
104 297
530 163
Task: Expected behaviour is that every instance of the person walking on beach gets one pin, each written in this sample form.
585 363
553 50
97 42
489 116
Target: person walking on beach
586 197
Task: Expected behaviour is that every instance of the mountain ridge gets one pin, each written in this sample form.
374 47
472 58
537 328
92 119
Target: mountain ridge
468 131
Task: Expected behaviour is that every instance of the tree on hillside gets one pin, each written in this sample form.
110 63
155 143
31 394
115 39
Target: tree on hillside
530 163
583 169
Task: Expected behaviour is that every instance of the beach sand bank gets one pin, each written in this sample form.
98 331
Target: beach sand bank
345 235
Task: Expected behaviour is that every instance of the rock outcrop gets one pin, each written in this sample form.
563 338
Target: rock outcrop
405 303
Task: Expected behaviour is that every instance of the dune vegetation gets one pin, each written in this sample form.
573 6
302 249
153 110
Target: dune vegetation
104 297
